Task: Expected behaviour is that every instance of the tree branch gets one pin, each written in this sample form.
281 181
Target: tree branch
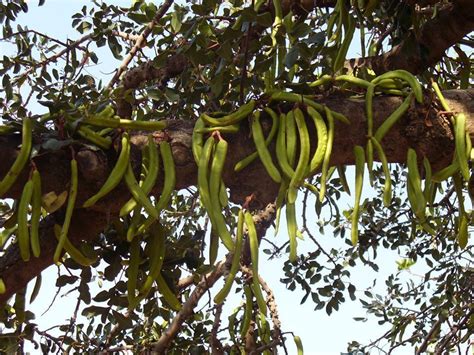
207 281
418 52
420 128
140 42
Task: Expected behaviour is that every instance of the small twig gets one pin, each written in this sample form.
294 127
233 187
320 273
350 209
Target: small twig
268 346
310 235
14 34
72 321
58 55
140 42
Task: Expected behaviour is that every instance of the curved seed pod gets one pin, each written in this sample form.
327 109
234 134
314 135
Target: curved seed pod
393 118
292 230
222 294
415 194
405 76
275 124
222 129
19 305
138 194
247 317
460 142
257 292
352 80
304 99
463 218
215 179
148 183
157 256
232 118
20 161
447 172
168 184
277 22
303 161
73 252
279 202
349 29
3 288
170 176
135 223
213 246
359 180
71 202
5 129
253 243
125 124
427 189
341 171
197 139
441 98
299 344
167 294
35 213
291 137
203 169
369 152
116 174
281 149
387 189
223 198
36 288
324 79
93 137
22 233
321 130
327 154
369 98
463 234
262 150
132 272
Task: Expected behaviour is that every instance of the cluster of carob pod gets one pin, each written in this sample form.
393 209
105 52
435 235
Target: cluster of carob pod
294 164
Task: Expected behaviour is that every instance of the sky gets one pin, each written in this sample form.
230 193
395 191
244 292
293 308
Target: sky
321 334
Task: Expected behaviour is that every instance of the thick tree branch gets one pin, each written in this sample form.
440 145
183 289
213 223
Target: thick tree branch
420 51
421 128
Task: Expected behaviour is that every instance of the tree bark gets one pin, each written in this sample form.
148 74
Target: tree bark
422 128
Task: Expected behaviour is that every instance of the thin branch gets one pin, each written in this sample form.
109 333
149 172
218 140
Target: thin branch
187 309
442 346
426 341
58 55
310 235
126 36
140 42
34 32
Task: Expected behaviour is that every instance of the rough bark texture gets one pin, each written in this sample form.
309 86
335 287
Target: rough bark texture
421 128
423 49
